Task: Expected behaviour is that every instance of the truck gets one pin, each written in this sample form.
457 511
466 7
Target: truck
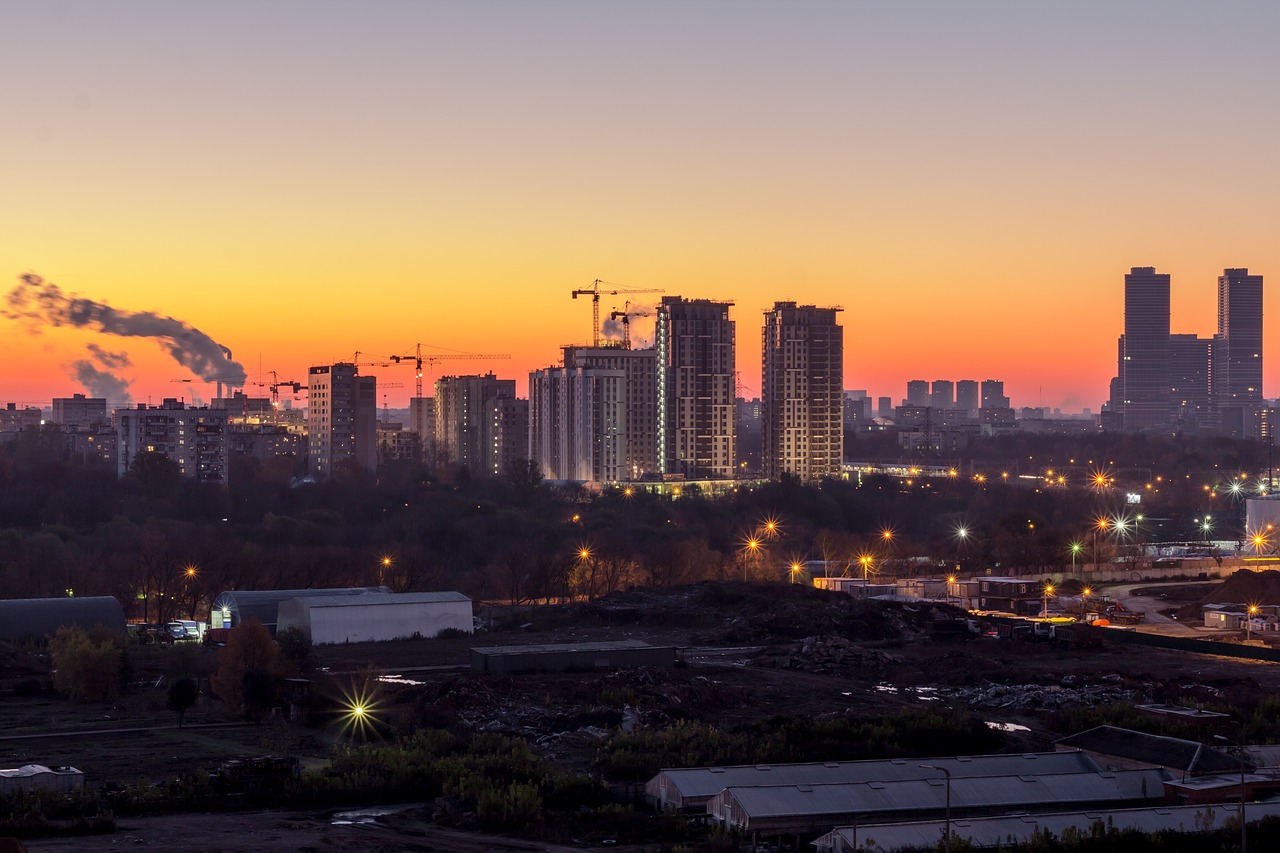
1076 635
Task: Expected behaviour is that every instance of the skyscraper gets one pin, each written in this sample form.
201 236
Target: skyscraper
696 388
342 419
802 391
1235 378
917 392
1144 362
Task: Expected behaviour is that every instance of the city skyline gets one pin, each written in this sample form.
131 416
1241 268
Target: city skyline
303 181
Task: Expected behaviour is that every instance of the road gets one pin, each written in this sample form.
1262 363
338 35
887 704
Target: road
1153 621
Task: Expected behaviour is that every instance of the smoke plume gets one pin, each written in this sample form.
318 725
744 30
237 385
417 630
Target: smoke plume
100 381
39 301
611 330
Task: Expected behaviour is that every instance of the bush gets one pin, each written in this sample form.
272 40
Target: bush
85 670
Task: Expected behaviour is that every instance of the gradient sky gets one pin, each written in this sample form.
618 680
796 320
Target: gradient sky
301 180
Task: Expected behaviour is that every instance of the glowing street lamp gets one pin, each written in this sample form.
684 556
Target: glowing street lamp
1048 590
796 570
1253 611
1075 552
359 710
865 559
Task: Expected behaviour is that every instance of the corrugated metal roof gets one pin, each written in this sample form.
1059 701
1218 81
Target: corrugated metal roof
966 793
549 648
367 598
21 618
699 782
989 832
1187 755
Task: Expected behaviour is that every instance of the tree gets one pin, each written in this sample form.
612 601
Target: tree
249 647
85 670
156 474
182 695
296 651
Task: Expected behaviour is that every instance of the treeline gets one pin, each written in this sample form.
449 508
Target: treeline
167 545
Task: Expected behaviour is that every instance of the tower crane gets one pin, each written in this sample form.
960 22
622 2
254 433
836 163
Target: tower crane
418 359
626 314
611 289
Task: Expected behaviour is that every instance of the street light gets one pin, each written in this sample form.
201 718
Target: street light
1244 839
1253 610
1075 552
1048 589
865 559
946 837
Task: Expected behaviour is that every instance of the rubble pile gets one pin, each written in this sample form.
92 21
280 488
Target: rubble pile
827 654
1032 697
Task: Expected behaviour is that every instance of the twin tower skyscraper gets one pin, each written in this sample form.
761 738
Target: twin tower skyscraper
1181 382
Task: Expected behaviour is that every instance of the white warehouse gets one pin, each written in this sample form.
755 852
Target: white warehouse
374 616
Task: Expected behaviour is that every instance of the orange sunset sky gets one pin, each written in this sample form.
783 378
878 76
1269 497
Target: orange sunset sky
301 180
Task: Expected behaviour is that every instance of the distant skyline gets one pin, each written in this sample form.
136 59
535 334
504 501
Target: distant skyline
301 180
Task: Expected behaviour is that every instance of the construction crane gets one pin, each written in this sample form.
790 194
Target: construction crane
612 290
626 314
418 359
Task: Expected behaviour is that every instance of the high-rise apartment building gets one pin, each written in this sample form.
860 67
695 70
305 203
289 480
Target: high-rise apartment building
577 423
196 439
695 393
1235 379
918 392
967 396
480 424
993 394
640 425
422 421
79 411
1189 381
802 391
942 394
342 419
1144 361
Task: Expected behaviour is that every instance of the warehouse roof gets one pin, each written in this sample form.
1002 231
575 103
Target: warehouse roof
966 793
37 617
28 770
551 648
692 783
265 603
365 598
993 831
1188 756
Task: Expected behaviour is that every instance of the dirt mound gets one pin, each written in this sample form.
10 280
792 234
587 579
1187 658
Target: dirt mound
760 613
1244 587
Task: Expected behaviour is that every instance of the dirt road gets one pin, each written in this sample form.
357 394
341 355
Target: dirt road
1153 621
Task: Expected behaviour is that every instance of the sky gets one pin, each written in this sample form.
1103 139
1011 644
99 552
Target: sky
300 181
